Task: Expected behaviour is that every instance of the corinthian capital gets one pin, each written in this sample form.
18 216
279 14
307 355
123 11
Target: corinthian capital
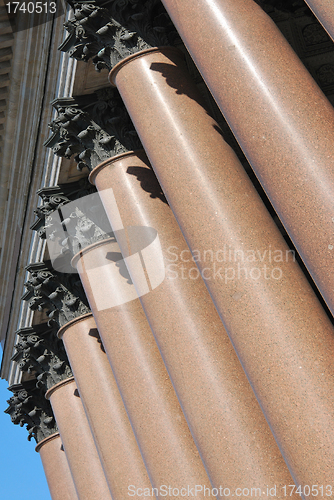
60 295
29 407
92 127
54 198
109 31
41 354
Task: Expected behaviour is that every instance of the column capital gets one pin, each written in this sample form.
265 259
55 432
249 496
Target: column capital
40 353
110 31
29 407
72 216
60 294
55 197
92 127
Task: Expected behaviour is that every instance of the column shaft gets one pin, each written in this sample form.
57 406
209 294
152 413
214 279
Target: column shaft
280 117
187 327
57 472
324 11
119 453
80 449
162 433
281 333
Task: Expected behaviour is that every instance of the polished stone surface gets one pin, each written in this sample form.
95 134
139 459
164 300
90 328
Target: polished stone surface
78 442
114 438
281 333
57 472
199 356
281 119
162 433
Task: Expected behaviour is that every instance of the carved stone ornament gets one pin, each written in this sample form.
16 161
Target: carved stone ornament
29 407
40 353
61 295
55 197
93 127
71 225
108 31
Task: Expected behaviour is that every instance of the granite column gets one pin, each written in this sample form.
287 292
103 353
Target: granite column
57 472
279 116
67 305
282 335
42 353
162 433
164 439
187 327
118 450
29 406
80 449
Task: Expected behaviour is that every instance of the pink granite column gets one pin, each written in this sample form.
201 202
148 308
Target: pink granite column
281 333
187 327
280 117
57 472
80 449
108 420
324 11
162 433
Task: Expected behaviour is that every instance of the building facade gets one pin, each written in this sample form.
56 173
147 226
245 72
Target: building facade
166 246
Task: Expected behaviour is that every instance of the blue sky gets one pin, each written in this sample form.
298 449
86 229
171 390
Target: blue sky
21 471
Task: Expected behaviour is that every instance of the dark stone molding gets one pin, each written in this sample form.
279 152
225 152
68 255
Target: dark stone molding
40 353
70 218
61 295
55 197
50 226
29 407
92 127
109 31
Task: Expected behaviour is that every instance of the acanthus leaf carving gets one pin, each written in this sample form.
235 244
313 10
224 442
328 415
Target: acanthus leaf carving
55 197
61 295
109 31
29 407
94 128
41 354
79 221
